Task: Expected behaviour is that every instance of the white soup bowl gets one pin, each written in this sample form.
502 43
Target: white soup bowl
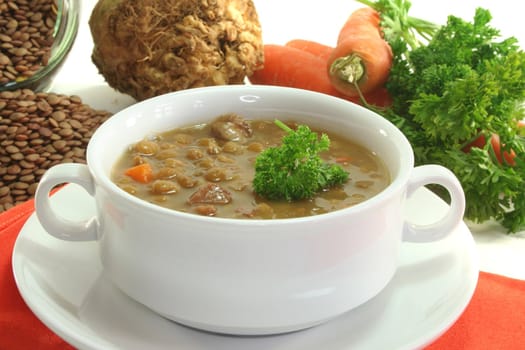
241 276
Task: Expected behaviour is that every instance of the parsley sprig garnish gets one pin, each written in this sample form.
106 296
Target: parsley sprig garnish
294 170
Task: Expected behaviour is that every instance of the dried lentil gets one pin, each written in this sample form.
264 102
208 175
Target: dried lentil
26 37
31 140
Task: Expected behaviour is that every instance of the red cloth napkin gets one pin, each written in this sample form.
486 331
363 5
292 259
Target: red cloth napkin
494 319
19 327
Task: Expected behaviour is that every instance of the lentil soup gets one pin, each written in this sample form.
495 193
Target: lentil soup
208 169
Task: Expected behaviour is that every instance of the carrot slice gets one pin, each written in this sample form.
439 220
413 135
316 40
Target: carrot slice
142 173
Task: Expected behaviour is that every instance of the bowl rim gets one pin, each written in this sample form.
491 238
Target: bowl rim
397 184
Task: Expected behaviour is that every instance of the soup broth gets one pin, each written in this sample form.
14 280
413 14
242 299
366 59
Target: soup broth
208 169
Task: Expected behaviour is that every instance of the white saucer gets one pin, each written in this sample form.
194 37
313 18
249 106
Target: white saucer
62 282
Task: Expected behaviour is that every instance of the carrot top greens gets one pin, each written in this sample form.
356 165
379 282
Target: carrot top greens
294 170
463 84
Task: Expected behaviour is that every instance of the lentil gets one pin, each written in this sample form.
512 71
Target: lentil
31 141
26 37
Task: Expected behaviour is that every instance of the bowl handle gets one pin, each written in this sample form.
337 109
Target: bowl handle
50 220
436 174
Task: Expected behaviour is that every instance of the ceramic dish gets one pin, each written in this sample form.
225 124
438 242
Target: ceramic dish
63 283
241 276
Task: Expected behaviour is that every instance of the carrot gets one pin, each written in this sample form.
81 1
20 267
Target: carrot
502 157
300 64
378 97
317 49
343 159
141 173
507 157
364 20
292 67
362 59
